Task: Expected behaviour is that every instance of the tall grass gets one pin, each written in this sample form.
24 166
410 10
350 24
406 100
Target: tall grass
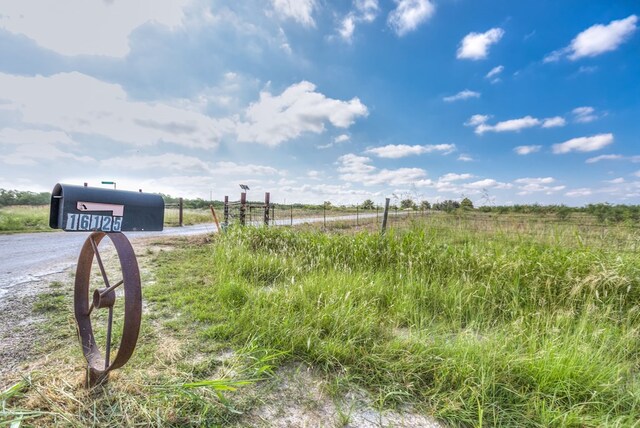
24 219
476 328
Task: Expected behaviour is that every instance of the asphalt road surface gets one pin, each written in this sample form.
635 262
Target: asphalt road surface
25 257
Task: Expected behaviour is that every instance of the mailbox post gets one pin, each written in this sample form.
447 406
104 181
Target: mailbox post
106 213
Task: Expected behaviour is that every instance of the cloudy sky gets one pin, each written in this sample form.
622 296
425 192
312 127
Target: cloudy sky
499 101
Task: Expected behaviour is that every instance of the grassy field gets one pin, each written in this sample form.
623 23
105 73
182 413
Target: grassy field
24 219
36 218
477 321
477 330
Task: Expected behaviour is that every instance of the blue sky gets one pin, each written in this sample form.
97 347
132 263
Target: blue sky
503 102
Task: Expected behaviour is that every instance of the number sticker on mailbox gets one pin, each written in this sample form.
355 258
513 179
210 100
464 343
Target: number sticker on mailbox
88 222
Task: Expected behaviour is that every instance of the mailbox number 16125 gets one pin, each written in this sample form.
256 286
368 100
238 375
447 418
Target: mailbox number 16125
103 223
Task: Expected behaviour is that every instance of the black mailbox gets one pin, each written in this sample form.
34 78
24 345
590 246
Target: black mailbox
82 209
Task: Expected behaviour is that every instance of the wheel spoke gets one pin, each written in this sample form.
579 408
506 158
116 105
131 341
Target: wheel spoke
90 309
99 259
113 287
108 348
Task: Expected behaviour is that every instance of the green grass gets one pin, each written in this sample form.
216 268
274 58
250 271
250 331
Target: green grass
24 219
36 218
475 327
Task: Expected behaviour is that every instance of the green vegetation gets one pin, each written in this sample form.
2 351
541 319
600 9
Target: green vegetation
24 219
174 379
17 197
474 326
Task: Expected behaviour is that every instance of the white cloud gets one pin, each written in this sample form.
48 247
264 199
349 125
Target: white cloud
31 147
584 114
527 150
77 27
347 27
477 119
93 107
487 183
554 122
395 151
584 144
637 173
341 138
357 169
454 177
462 95
597 40
275 119
409 14
365 11
583 191
604 157
513 125
76 103
165 161
300 11
618 180
475 46
465 158
536 180
495 71
530 185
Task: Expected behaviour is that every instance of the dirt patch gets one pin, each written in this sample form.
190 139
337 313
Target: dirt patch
299 398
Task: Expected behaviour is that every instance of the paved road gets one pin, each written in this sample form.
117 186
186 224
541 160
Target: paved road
26 257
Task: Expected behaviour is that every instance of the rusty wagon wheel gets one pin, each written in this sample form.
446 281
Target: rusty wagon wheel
86 305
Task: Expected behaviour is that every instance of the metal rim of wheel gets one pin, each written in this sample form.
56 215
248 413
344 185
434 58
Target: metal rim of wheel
85 304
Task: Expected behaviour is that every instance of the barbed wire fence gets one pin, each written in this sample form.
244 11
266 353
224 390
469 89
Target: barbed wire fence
580 229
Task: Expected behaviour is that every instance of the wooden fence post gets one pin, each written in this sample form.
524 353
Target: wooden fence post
243 207
385 215
266 208
324 216
226 211
215 217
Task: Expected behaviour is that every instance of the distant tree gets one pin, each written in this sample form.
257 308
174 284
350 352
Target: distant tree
466 204
447 205
407 204
327 204
563 212
425 205
17 197
368 205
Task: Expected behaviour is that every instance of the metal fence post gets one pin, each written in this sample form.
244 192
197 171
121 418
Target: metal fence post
385 215
291 213
180 207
